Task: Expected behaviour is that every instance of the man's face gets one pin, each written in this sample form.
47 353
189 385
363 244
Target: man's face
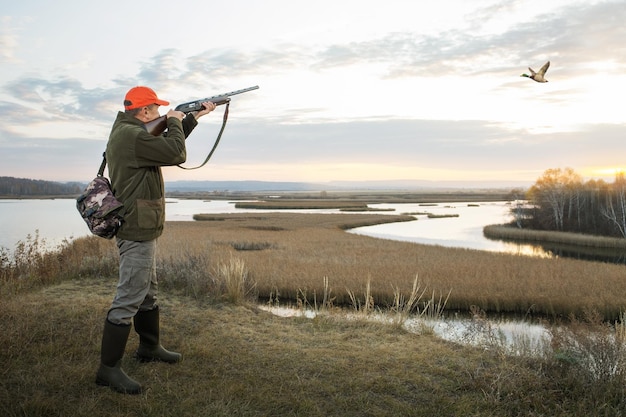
151 112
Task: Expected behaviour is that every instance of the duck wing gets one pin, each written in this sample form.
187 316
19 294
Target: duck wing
543 69
532 72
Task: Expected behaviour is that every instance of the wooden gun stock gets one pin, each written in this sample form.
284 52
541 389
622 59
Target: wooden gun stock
157 126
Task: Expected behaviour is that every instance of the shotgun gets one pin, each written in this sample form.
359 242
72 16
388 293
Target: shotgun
158 125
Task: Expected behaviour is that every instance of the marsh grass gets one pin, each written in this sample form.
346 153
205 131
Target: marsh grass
302 205
364 209
591 347
484 333
32 263
436 306
233 278
287 253
620 328
242 361
310 303
431 309
363 305
498 231
403 307
299 250
441 216
251 245
188 269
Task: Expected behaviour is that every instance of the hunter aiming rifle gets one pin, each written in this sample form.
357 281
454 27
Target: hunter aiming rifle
157 126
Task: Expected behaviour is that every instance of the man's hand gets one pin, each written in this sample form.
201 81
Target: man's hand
208 108
176 114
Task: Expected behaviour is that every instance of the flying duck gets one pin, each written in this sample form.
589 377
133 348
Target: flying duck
538 76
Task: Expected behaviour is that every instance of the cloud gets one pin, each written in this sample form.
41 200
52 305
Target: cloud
42 158
574 36
59 99
461 146
565 37
8 40
434 144
291 122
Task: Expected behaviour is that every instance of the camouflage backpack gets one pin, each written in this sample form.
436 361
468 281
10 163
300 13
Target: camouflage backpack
98 206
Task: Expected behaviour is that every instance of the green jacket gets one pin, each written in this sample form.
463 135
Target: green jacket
134 159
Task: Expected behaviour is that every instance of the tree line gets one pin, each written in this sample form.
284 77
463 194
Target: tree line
560 200
23 187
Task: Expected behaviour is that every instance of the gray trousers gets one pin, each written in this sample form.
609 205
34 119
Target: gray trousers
137 286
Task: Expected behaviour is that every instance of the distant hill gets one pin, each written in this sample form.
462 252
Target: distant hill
241 186
24 187
390 185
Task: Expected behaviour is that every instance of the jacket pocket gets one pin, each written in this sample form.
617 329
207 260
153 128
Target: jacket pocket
151 213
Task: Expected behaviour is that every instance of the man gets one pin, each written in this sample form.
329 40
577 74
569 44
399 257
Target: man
135 158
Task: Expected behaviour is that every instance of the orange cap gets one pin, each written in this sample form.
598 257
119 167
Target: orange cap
142 96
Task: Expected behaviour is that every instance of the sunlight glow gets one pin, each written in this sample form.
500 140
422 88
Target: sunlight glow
327 172
606 173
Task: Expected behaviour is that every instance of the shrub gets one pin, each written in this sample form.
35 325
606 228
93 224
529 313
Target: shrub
590 355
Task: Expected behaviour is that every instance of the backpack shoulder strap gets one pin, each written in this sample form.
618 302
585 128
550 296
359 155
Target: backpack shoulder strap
103 164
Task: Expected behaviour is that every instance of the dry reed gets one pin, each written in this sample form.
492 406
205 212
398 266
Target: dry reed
286 254
498 231
302 249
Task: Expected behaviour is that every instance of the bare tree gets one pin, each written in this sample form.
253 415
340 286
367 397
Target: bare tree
518 210
615 209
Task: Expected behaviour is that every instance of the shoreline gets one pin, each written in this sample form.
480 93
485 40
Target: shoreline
510 233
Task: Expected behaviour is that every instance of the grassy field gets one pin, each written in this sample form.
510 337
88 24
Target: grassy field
241 361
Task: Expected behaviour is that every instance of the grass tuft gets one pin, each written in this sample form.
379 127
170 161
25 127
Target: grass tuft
232 277
251 245
363 305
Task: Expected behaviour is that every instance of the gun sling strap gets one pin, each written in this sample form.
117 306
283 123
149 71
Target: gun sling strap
217 141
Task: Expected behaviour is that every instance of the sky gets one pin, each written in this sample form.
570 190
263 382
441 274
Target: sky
348 90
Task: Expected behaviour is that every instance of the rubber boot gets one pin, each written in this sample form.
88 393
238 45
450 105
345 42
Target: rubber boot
114 338
147 326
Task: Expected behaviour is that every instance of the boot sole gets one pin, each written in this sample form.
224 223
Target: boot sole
147 359
143 359
103 383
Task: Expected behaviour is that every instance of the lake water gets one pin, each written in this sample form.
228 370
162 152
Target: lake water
464 231
515 337
57 219
53 219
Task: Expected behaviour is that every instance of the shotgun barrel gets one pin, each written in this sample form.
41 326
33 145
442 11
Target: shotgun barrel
158 125
219 99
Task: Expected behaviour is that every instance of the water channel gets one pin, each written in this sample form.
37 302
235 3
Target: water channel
510 336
